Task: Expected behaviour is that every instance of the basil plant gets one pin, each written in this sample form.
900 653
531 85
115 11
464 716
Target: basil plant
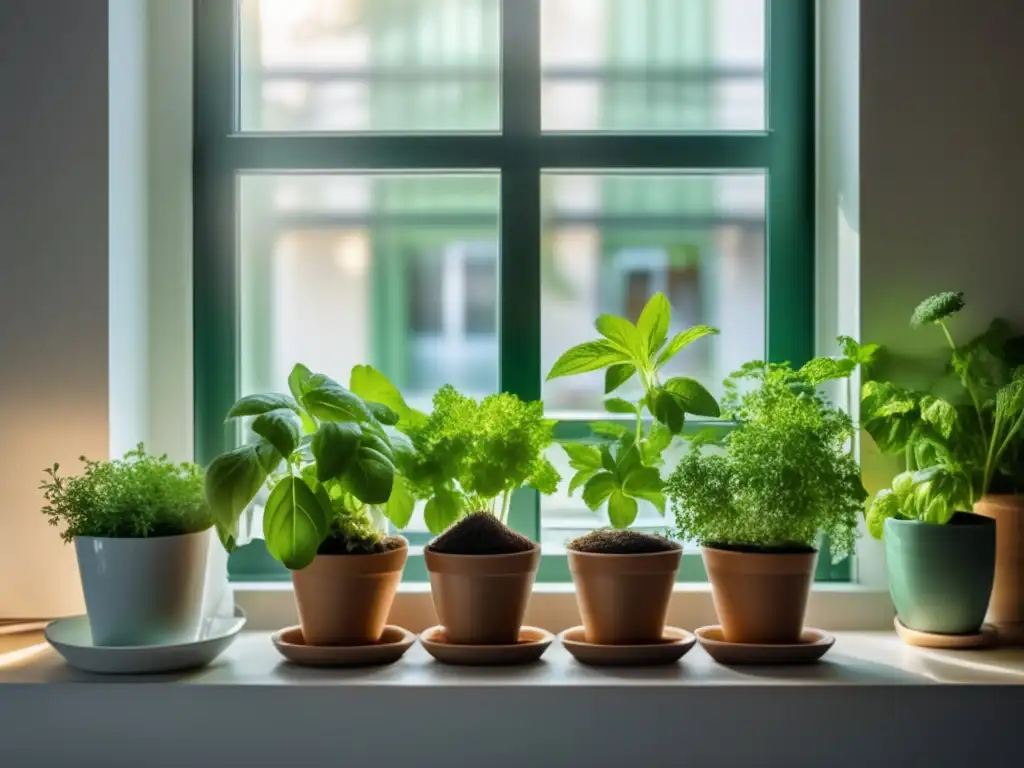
327 457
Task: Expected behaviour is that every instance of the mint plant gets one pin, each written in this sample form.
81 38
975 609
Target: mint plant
629 469
956 444
327 458
465 456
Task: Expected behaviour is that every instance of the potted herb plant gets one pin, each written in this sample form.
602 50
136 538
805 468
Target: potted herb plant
785 475
624 578
960 442
327 459
466 459
141 526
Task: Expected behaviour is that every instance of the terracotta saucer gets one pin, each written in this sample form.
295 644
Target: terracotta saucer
986 638
531 646
814 643
394 642
673 646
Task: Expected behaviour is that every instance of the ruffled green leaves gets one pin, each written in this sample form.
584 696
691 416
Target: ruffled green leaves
937 307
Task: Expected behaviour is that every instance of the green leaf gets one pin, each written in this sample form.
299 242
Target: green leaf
626 462
940 414
860 354
332 402
282 428
709 436
334 447
683 339
609 429
822 369
383 414
653 323
618 405
657 498
299 381
374 387
580 479
590 356
374 437
617 375
597 489
370 476
442 510
401 504
294 523
695 398
669 410
621 509
232 481
643 479
582 456
254 405
620 332
885 505
607 460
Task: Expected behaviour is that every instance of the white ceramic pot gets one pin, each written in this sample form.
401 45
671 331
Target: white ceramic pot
143 591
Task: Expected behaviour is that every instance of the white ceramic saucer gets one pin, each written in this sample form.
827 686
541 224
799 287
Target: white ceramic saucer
72 639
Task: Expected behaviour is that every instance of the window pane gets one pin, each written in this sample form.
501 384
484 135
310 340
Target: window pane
394 270
370 65
612 241
653 65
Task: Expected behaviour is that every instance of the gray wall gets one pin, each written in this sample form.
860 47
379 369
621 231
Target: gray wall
53 284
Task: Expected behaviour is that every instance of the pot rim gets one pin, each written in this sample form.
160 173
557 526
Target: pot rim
511 562
151 539
583 563
976 522
731 552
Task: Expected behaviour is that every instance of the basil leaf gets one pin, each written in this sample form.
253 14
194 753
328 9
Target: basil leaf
442 510
598 488
334 447
617 375
300 381
332 402
622 333
653 323
282 428
582 456
400 505
695 398
232 481
254 405
580 479
370 476
681 340
294 523
621 509
669 410
618 405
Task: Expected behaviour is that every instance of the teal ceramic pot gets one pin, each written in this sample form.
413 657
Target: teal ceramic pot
940 576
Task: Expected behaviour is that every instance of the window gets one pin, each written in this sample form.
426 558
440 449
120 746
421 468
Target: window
452 190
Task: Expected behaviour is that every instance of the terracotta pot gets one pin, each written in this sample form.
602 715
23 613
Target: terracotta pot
481 599
623 599
760 597
1006 608
345 599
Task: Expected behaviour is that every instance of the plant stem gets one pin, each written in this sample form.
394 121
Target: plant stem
966 385
909 457
991 463
506 499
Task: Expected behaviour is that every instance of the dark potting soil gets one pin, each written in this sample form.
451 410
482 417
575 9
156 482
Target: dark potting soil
339 545
612 542
480 533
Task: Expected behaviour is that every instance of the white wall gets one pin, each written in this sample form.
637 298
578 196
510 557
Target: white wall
53 281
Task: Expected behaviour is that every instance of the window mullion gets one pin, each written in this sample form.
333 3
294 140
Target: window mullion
519 282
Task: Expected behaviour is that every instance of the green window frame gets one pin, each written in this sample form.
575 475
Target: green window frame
520 151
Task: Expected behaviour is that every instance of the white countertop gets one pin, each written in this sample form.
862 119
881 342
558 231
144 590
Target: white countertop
858 658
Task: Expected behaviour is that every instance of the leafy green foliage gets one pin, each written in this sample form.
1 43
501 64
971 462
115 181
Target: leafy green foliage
786 473
937 307
329 479
138 496
956 446
469 456
628 471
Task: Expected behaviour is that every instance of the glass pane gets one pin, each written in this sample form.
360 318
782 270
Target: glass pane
370 65
611 241
399 271
653 65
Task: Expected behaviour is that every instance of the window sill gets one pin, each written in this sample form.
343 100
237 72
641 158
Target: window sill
255 710
835 607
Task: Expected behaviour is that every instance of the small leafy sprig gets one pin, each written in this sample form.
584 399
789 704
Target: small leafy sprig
628 471
138 496
467 456
326 457
787 473
955 448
